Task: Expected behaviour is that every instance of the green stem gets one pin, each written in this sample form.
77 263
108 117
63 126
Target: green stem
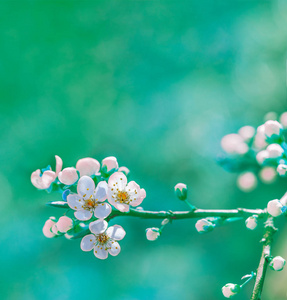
263 264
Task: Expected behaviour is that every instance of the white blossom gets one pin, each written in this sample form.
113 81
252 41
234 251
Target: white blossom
68 176
103 240
246 132
277 263
247 181
272 128
234 144
110 163
47 229
274 207
275 150
122 194
261 156
124 170
282 169
43 181
204 225
64 224
268 174
283 119
152 233
89 200
181 191
230 289
88 166
251 222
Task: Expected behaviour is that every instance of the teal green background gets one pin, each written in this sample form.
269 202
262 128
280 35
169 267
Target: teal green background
156 84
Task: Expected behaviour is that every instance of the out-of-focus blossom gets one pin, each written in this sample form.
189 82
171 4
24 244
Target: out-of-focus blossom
275 151
247 181
47 229
275 208
230 289
234 144
152 234
204 225
283 119
267 174
262 156
247 132
272 128
282 169
277 263
251 222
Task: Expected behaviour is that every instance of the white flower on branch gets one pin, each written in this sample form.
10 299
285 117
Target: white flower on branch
275 150
43 181
68 176
152 233
247 181
47 229
103 240
204 225
282 169
64 224
122 194
251 222
181 191
272 128
88 166
277 263
274 208
230 289
89 200
110 163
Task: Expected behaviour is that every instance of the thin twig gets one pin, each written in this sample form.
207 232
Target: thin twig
263 264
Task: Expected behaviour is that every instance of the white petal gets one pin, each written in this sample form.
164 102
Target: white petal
100 193
86 187
122 207
83 215
47 228
88 242
102 210
88 166
110 162
68 176
116 232
100 252
75 201
118 180
114 248
140 198
59 164
98 226
44 181
64 224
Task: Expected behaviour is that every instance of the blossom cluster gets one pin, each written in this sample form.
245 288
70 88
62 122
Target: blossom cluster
92 191
257 153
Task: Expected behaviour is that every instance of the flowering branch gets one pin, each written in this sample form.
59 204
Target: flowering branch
265 258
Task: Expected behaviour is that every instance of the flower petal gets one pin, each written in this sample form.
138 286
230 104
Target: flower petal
98 226
44 181
88 242
75 201
102 210
118 180
100 252
140 198
68 176
64 224
100 193
116 232
88 166
83 215
114 248
133 190
86 187
59 164
110 162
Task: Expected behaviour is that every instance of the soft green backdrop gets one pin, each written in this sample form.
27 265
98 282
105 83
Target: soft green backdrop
157 84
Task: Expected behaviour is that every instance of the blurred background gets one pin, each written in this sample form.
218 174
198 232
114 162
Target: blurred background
156 84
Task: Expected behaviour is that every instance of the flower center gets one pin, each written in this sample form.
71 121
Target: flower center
123 197
103 238
89 203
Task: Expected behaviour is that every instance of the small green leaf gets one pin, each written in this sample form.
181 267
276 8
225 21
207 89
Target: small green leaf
61 204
